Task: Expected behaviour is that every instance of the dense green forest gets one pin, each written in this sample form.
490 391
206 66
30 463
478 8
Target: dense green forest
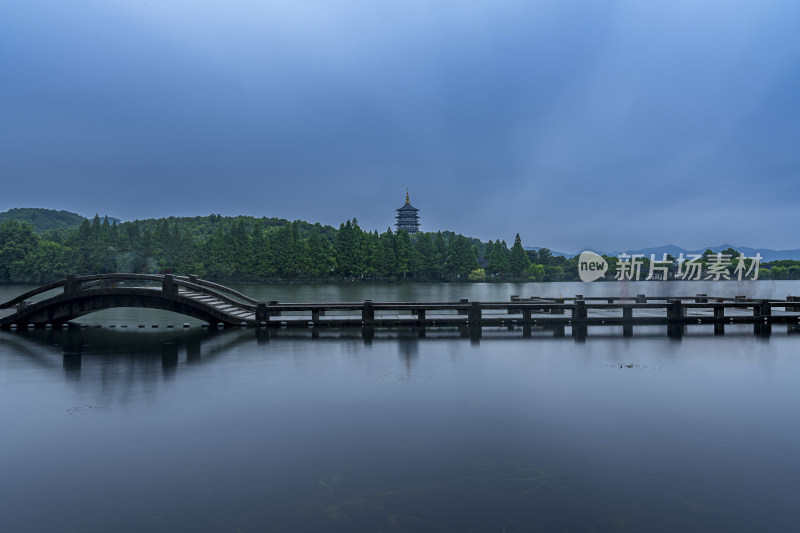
269 249
243 249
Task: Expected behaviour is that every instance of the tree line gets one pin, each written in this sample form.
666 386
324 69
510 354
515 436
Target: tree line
231 249
245 249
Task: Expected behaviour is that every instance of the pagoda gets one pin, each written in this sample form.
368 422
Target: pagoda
407 218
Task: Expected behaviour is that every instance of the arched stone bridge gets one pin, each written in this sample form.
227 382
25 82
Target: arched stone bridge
81 295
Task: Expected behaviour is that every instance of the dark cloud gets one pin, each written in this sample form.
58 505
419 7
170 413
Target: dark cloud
576 124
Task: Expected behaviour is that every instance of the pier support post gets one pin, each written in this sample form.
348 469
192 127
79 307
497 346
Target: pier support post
420 314
315 316
579 314
262 312
463 301
719 321
474 318
579 311
526 314
558 311
627 321
675 318
641 299
368 313
763 313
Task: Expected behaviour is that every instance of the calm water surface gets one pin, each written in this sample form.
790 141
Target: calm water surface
250 431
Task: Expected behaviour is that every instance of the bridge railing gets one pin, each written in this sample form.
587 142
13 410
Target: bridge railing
31 294
185 280
227 295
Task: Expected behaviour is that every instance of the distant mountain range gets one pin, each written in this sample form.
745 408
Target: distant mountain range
766 253
46 219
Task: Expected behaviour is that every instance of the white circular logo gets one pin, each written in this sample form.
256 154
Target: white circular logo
591 266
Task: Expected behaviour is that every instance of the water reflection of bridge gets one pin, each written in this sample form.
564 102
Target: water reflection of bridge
120 360
216 304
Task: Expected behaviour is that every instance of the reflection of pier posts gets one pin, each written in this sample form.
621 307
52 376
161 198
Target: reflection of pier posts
169 359
193 351
262 336
73 341
367 333
72 365
73 346
475 333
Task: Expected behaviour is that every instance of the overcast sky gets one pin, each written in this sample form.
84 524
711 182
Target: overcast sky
602 124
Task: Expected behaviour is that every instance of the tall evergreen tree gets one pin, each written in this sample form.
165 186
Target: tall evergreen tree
518 259
461 258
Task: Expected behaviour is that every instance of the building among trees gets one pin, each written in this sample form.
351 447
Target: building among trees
407 218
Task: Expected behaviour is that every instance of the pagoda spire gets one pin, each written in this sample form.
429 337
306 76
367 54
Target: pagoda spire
407 202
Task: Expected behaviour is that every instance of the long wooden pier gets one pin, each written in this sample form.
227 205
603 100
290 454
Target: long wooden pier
578 313
218 305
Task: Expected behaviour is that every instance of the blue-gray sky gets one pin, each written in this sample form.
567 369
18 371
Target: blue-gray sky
603 124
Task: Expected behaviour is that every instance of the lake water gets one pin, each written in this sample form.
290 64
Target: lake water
246 430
